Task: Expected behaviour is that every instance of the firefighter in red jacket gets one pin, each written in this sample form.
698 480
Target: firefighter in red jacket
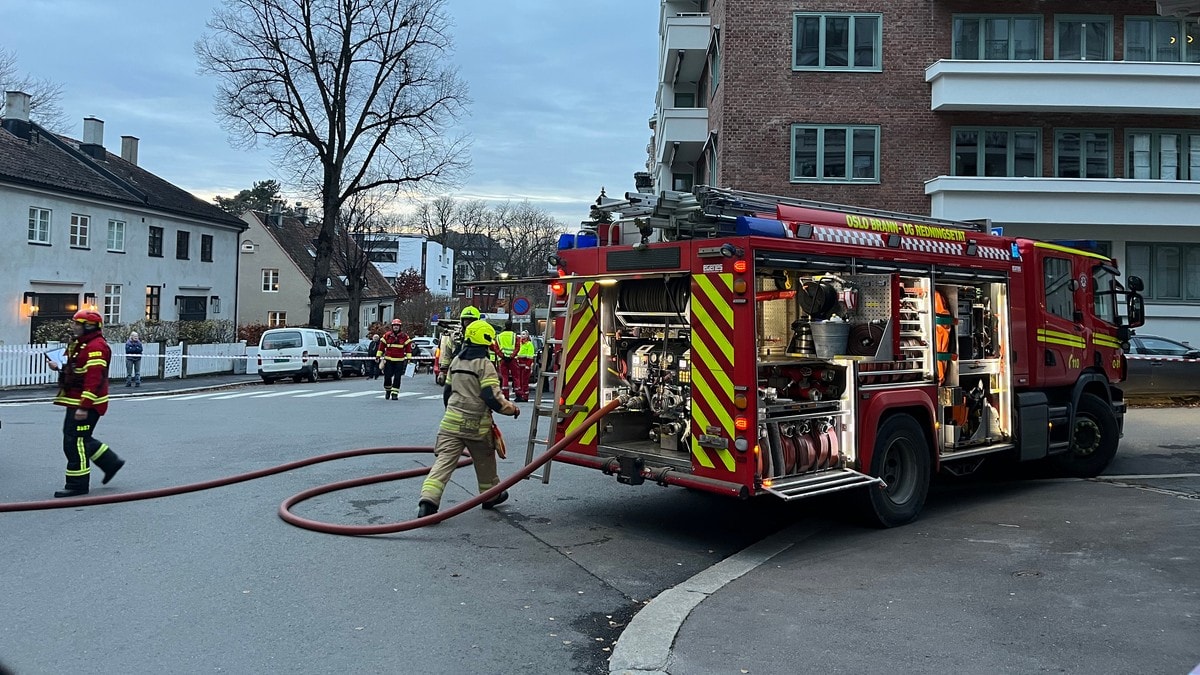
83 389
394 349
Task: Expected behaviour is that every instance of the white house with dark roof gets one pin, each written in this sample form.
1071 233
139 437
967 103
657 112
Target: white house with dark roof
85 227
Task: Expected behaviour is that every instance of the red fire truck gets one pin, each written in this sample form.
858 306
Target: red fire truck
772 346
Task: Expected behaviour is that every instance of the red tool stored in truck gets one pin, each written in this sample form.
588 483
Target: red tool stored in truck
793 348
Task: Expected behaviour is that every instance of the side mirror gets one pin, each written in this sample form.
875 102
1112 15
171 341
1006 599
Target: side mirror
1137 311
1136 285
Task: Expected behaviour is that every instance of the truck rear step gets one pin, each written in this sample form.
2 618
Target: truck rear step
823 482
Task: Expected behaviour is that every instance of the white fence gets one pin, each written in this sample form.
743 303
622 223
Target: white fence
22 365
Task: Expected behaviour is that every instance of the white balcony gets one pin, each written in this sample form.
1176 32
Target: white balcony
1120 87
1065 201
684 47
686 126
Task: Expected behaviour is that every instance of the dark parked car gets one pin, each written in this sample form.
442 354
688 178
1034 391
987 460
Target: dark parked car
1162 367
354 359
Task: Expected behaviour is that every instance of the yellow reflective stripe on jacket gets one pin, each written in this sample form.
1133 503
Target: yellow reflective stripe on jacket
101 363
94 398
68 400
489 382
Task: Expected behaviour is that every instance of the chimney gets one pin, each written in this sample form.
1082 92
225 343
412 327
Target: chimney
129 149
276 218
16 113
93 138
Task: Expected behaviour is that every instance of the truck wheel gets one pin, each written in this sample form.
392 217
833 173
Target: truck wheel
901 459
1093 440
314 372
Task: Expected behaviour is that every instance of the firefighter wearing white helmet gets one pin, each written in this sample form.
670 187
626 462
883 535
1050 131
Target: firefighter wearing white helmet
471 394
452 341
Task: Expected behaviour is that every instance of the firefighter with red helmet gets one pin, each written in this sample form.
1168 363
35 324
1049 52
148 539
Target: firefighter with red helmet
394 349
83 389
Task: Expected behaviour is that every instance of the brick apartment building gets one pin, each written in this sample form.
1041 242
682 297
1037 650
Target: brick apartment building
1056 119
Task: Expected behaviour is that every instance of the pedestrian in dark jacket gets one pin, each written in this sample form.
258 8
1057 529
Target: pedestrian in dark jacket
373 364
133 360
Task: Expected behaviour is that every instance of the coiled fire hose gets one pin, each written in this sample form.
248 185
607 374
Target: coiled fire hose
330 528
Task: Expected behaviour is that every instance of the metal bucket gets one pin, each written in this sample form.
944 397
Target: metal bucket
830 338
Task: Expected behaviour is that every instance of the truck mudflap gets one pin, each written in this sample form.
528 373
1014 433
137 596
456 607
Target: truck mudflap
636 472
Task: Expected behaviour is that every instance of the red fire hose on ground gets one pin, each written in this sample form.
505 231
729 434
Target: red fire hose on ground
329 528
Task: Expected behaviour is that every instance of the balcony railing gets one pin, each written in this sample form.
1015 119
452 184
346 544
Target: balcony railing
1120 87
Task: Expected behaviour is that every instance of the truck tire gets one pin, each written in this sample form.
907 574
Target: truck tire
902 460
1093 440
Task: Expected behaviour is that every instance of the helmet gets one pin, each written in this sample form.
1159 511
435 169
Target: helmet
469 312
396 322
480 333
86 316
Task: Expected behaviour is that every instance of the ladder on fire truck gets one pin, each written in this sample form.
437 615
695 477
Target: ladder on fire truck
701 214
547 373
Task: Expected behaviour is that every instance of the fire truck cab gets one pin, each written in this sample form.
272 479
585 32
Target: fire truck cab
783 347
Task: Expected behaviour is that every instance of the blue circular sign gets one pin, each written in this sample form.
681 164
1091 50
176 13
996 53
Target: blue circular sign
520 306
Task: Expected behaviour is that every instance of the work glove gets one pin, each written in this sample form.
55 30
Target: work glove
440 379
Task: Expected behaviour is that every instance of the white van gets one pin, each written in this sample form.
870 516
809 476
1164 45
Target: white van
298 353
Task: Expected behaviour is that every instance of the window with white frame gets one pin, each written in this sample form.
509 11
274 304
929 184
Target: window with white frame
1162 39
39 225
997 37
116 235
1082 153
1163 155
822 153
1083 38
276 319
997 152
79 230
837 41
1171 271
112 303
270 280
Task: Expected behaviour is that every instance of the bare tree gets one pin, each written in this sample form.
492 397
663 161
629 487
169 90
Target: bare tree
356 90
45 96
417 311
355 242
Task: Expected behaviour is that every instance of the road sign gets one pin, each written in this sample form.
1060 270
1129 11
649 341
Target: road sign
520 306
434 318
998 231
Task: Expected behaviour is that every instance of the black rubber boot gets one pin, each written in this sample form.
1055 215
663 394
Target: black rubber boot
426 508
500 499
111 471
76 486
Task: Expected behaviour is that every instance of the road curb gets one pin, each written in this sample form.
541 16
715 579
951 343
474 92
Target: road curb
644 647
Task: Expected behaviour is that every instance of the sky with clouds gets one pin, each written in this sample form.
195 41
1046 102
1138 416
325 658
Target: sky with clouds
561 91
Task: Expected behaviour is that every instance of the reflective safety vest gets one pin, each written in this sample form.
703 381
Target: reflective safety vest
943 324
507 341
527 350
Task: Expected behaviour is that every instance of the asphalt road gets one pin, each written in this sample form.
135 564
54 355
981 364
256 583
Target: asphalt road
215 582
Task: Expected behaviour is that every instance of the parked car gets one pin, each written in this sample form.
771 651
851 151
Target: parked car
298 353
1159 366
356 358
424 345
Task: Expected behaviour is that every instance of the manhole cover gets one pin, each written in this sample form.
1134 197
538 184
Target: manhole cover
1027 573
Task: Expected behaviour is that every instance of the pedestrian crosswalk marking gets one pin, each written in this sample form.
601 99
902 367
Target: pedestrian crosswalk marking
194 396
322 393
355 394
430 398
281 393
244 393
403 394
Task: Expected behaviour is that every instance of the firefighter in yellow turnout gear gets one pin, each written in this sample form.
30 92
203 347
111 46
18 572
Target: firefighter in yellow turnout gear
471 394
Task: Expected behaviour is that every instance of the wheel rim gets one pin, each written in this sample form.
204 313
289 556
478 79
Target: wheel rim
1086 439
899 470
